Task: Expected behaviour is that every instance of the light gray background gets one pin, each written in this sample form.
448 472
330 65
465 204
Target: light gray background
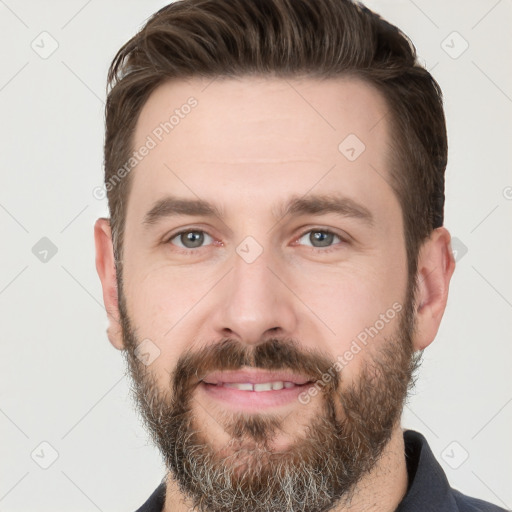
60 380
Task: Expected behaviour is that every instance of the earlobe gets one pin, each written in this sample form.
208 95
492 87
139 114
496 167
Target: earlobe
105 266
435 269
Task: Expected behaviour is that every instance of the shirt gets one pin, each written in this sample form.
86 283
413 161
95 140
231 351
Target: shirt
428 489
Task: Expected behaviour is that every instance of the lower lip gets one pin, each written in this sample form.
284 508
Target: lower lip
251 400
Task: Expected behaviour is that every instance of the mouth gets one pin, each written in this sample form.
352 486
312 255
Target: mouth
263 386
253 390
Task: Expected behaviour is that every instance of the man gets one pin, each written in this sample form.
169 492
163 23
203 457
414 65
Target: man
275 261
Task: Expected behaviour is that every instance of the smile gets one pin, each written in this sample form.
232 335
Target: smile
264 386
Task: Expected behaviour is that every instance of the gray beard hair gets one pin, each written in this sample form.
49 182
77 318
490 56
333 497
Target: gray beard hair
317 472
253 478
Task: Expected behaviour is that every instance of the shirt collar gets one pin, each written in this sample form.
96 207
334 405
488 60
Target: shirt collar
428 487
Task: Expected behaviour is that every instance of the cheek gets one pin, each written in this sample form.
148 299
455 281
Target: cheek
359 307
162 294
159 304
350 297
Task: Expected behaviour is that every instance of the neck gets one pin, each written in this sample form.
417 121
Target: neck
382 489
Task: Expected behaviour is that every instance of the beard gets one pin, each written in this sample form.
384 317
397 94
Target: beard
319 469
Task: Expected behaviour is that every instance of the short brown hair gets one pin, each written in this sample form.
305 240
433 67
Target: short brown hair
286 38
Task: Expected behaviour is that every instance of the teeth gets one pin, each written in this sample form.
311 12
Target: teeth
242 387
264 386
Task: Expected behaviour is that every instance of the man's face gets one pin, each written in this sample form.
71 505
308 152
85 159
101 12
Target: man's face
253 294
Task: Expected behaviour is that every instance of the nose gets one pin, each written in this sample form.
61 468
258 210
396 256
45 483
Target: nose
255 303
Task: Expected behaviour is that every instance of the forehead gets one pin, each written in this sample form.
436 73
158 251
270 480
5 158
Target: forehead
261 137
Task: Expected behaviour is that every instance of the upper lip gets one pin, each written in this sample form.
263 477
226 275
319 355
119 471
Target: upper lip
255 377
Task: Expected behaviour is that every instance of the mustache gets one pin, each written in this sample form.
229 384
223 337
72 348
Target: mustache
272 354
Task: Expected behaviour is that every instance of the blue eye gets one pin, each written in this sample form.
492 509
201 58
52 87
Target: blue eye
319 238
190 239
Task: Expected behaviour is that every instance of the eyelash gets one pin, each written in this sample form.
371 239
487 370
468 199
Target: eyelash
320 249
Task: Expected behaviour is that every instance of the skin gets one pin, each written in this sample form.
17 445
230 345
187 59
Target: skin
250 145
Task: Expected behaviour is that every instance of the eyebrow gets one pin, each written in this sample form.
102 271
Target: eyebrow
170 206
322 204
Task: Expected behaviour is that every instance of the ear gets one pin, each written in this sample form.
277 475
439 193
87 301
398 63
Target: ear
105 266
436 264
